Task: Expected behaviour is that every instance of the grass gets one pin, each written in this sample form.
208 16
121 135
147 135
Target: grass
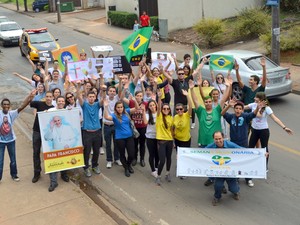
21 2
290 57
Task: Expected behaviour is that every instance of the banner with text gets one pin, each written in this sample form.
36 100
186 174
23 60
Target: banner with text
61 140
222 162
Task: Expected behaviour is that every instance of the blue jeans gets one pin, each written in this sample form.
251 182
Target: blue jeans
11 147
233 186
109 133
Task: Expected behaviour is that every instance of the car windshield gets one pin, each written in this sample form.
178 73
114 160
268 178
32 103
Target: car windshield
3 19
254 63
36 38
9 27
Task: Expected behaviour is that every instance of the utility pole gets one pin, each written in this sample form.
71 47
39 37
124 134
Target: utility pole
58 11
17 2
275 53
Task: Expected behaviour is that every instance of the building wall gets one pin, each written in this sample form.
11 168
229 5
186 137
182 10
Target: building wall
183 14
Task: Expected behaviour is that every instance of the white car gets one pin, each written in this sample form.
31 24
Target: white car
278 78
3 19
10 33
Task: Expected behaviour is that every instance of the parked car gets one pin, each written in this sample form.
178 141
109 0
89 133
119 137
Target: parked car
10 33
34 41
278 78
38 5
4 19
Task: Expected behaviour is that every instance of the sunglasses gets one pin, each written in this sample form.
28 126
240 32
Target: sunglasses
220 78
70 96
180 74
166 108
179 109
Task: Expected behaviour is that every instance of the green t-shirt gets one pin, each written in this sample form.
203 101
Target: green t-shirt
208 124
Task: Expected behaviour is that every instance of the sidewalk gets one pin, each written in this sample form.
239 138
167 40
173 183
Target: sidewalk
26 203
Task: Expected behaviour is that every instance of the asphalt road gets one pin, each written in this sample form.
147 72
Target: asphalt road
272 201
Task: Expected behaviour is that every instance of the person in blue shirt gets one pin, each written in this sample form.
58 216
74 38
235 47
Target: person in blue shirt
233 184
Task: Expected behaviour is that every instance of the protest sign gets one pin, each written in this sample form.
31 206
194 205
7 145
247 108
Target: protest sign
70 53
97 65
121 64
163 58
78 70
61 140
222 162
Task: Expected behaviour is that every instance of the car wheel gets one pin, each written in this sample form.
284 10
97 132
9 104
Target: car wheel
37 10
22 53
237 92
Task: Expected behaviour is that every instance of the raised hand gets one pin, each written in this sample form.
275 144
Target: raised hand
184 92
263 61
191 84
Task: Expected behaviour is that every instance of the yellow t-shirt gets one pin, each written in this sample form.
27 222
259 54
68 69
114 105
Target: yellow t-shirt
206 91
163 133
159 81
182 127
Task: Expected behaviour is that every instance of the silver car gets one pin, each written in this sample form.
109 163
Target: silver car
3 19
278 78
10 33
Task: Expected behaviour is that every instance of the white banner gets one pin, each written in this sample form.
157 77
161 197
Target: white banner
222 162
163 58
97 65
78 70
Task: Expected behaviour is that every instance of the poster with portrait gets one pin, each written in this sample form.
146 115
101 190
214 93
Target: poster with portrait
61 140
97 65
163 58
70 53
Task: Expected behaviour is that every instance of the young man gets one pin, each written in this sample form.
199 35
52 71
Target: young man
57 124
36 135
109 128
91 130
144 20
233 184
250 92
7 134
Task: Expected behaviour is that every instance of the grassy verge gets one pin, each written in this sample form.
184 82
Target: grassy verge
21 2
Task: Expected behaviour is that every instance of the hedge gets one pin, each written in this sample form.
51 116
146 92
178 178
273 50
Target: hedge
122 19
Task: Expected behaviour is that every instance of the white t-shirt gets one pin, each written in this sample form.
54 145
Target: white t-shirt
7 133
111 108
151 129
260 123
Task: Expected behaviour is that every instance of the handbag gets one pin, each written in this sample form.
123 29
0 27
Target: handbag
135 132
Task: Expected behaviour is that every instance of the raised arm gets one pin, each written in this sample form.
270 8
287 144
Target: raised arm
159 102
227 92
175 61
237 73
278 121
27 100
78 93
22 77
190 106
31 63
194 97
264 78
106 114
66 69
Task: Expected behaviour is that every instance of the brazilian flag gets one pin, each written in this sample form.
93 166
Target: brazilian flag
137 43
221 62
197 56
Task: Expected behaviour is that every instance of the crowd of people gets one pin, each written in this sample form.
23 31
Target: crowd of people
109 108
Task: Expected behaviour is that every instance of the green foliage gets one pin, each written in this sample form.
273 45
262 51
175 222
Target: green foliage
290 5
266 40
154 22
122 19
291 40
211 30
46 7
251 23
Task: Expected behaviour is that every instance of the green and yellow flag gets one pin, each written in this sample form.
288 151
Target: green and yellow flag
197 56
137 43
221 62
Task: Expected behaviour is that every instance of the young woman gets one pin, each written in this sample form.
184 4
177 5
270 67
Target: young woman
219 82
123 133
151 137
56 92
182 134
259 127
41 93
71 103
164 136
34 81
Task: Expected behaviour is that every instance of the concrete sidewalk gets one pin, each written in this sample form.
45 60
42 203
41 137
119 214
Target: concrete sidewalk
26 203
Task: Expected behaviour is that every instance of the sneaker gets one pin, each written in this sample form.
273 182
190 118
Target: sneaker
168 177
250 183
208 182
158 181
182 178
215 201
236 196
16 178
65 178
52 187
224 190
102 152
87 173
154 174
96 170
193 125
109 165
127 173
118 162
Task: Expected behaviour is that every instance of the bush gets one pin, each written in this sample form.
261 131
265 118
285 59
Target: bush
46 7
154 22
288 41
290 5
251 23
122 19
211 30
